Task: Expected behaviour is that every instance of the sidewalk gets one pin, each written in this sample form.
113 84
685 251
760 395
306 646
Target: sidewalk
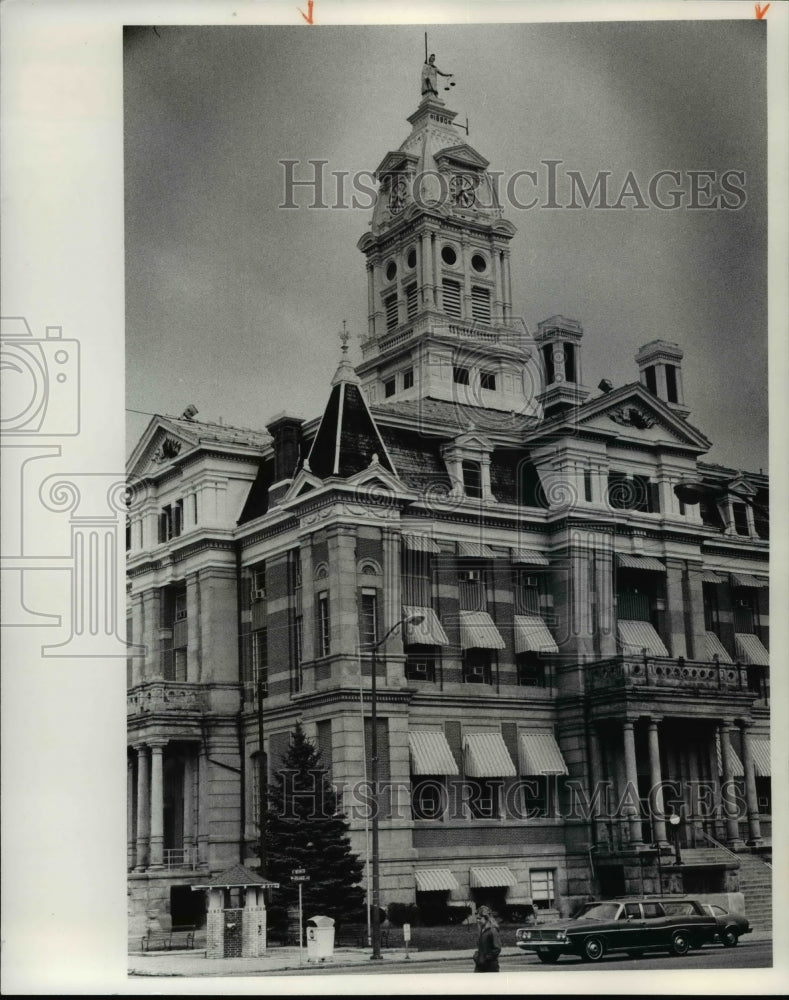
195 963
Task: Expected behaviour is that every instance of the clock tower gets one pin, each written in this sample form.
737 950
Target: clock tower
440 321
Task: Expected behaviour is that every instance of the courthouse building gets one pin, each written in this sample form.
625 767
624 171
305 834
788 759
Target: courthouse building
583 600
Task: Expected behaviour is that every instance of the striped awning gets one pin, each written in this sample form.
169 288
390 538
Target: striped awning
760 751
475 550
435 880
478 631
486 756
419 543
750 650
540 754
532 635
491 877
430 753
739 770
640 562
710 576
716 648
638 636
528 557
428 632
746 580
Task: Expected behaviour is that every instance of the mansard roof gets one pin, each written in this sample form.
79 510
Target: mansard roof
449 419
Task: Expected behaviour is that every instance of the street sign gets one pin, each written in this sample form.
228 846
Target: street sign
299 878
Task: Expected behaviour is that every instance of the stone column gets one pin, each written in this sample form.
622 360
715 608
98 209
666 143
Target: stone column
192 628
426 261
157 805
143 808
656 804
437 286
694 614
253 927
189 807
507 287
465 264
598 805
151 620
130 844
631 776
498 284
370 301
605 626
729 803
215 925
202 805
751 798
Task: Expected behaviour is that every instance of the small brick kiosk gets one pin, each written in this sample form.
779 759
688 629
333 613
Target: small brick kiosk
236 913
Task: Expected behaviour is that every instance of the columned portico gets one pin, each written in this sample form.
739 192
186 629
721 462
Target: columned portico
143 805
157 804
656 783
751 798
631 777
727 776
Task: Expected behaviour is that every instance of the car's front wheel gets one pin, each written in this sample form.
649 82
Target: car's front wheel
729 937
549 958
593 949
680 943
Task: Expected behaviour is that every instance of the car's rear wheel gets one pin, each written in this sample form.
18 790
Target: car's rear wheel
549 958
729 937
594 949
680 943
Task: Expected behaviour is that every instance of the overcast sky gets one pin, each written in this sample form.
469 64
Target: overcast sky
235 304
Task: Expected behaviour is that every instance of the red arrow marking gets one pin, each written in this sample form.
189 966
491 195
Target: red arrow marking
760 11
308 16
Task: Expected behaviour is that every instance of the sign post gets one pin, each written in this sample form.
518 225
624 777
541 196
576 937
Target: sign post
407 938
300 875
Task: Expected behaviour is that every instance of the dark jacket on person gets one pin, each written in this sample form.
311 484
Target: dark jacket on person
486 957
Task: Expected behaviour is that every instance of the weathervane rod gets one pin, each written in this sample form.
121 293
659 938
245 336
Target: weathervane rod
425 46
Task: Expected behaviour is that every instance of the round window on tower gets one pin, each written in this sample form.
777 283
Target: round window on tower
391 270
479 263
448 255
411 258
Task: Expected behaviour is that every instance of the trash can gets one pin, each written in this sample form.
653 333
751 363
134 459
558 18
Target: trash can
320 938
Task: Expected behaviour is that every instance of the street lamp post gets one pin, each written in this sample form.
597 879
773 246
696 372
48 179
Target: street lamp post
376 914
674 819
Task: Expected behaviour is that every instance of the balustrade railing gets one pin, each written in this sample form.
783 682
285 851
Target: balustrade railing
661 671
180 857
165 696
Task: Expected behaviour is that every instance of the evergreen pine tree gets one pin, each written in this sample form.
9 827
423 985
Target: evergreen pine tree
305 829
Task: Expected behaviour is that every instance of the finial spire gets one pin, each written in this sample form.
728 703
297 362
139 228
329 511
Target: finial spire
344 338
430 74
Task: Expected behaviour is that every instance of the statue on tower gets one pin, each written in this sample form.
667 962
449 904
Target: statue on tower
430 79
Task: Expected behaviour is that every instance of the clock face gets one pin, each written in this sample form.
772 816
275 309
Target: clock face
463 190
397 195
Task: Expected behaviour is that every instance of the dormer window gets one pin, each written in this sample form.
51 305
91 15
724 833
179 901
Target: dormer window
740 515
171 521
487 380
460 375
390 387
472 478
468 465
408 378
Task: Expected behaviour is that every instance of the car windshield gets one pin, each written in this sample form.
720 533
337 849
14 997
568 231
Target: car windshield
600 911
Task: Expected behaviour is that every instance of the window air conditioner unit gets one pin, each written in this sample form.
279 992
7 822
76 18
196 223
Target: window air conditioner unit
477 671
180 614
531 581
764 803
258 595
419 669
470 575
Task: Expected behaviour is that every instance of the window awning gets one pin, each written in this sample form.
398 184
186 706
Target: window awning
746 580
486 756
540 754
475 550
428 632
435 880
528 557
710 576
478 630
419 543
532 635
640 562
430 753
716 648
760 751
739 770
491 877
750 650
638 636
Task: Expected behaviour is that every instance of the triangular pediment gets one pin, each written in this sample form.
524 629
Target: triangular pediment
305 481
161 445
463 155
376 478
742 487
630 413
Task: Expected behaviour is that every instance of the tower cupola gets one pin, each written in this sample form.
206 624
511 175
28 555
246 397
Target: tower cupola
660 370
559 344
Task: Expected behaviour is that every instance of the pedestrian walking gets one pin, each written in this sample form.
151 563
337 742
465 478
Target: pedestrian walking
486 957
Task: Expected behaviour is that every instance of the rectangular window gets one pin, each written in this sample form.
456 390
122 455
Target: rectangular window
527 593
428 796
408 378
390 387
179 606
480 304
368 619
411 301
547 357
193 499
542 888
740 515
451 296
171 521
472 592
651 378
671 383
484 796
587 486
476 666
460 375
531 671
128 534
178 517
324 633
535 796
633 605
390 307
487 380
179 665
416 579
260 659
472 478
569 362
323 742
711 613
420 663
258 584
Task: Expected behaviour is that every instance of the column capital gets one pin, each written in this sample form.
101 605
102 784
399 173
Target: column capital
158 742
653 720
726 725
745 723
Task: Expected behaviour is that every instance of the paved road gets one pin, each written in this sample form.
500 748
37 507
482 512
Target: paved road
747 955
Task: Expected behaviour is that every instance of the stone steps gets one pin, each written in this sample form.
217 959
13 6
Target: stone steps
756 886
